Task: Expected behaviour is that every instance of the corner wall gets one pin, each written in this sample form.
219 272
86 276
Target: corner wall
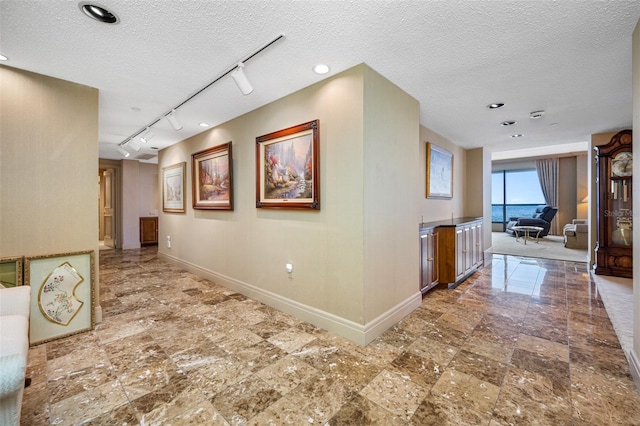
48 166
391 188
247 249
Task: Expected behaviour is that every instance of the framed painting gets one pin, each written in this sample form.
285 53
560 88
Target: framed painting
213 178
287 174
61 294
10 272
439 172
173 183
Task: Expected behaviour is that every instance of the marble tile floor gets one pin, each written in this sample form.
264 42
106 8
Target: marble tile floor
522 342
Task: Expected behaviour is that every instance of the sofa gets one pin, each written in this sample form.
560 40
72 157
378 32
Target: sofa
14 344
576 234
542 218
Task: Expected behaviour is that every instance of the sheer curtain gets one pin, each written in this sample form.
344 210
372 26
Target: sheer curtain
548 176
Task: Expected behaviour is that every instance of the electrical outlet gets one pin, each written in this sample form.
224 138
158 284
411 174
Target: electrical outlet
289 267
168 241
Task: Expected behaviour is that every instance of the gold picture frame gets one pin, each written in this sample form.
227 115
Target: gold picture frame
439 172
212 178
61 294
11 272
173 184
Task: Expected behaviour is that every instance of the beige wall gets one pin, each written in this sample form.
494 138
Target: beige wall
140 197
582 183
130 207
477 202
332 284
149 192
48 165
391 187
567 192
432 209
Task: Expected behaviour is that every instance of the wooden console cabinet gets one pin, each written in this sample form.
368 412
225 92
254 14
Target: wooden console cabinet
149 231
451 250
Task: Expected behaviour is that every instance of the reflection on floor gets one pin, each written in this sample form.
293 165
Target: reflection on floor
524 341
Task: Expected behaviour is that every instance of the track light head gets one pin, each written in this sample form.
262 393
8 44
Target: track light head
146 136
173 120
134 146
241 79
123 151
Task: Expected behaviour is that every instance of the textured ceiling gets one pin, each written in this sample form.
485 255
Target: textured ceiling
570 58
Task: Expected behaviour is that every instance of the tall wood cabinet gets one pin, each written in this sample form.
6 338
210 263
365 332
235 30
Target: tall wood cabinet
451 250
149 231
614 206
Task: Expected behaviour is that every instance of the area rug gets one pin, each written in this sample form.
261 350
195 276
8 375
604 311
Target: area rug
549 247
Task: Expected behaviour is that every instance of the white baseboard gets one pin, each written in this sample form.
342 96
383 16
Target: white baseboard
634 368
358 333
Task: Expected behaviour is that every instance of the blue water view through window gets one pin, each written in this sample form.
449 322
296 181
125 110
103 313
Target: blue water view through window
514 193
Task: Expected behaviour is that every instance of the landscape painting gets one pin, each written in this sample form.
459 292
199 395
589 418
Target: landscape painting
213 178
287 168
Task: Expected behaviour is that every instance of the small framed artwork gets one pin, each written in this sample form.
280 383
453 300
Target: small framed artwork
439 172
10 272
61 294
173 183
213 178
287 174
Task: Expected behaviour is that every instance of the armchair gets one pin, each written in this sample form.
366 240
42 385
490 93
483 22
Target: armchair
542 218
576 234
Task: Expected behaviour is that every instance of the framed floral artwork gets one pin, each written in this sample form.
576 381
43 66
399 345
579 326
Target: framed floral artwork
212 181
61 294
287 174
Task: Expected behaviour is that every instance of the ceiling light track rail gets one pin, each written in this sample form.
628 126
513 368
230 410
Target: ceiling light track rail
238 65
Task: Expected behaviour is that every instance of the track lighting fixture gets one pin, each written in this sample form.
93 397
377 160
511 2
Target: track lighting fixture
134 146
238 76
173 120
241 79
146 136
123 151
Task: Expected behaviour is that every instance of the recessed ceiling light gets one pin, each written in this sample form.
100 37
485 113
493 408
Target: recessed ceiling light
204 125
495 105
517 135
536 114
98 13
508 123
154 147
136 109
3 58
321 69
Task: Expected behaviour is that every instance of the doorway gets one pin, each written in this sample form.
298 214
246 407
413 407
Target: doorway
107 208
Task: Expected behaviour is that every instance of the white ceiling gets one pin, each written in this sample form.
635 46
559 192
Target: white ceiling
570 58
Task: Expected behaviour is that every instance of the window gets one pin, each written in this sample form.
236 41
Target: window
514 193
